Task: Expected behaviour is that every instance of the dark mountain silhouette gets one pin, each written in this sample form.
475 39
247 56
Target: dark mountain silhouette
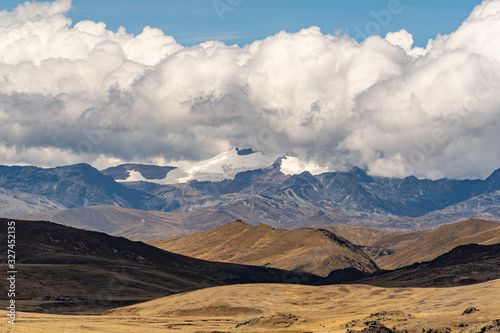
464 265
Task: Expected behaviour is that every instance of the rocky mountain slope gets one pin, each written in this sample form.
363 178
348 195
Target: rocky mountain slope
264 195
314 251
147 172
224 166
71 186
17 202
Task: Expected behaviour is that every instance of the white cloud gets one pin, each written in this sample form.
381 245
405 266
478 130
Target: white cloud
291 165
84 93
404 39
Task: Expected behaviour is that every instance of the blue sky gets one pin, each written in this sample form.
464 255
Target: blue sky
194 21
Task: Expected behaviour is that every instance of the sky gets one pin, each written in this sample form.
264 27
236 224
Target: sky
398 88
244 21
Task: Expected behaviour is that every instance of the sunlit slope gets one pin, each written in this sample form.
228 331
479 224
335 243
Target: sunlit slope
288 308
314 251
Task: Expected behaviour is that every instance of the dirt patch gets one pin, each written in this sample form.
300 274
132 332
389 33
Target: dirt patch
278 321
222 310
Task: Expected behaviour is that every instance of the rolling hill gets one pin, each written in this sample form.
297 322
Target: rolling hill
293 308
395 240
464 265
66 270
432 243
392 250
313 251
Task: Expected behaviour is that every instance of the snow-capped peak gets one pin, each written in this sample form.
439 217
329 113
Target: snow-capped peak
221 167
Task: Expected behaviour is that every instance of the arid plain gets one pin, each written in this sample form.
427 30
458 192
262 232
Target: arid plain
289 308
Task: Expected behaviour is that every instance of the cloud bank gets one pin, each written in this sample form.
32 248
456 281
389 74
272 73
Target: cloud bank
77 92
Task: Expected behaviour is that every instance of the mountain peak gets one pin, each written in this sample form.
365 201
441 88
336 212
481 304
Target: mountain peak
224 166
247 151
360 174
148 172
82 166
494 179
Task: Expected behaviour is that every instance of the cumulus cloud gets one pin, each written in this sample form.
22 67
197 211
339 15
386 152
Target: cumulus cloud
78 92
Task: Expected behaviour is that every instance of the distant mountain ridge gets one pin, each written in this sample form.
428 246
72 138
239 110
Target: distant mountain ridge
264 195
78 185
18 202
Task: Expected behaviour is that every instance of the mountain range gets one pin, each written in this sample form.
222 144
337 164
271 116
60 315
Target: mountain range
226 189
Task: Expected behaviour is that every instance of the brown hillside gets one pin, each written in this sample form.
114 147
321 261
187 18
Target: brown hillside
464 265
315 251
377 238
433 243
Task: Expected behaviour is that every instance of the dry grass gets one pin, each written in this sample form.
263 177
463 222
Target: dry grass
306 309
306 250
436 242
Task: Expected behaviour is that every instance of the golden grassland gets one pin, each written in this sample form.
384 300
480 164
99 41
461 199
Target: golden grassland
286 308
